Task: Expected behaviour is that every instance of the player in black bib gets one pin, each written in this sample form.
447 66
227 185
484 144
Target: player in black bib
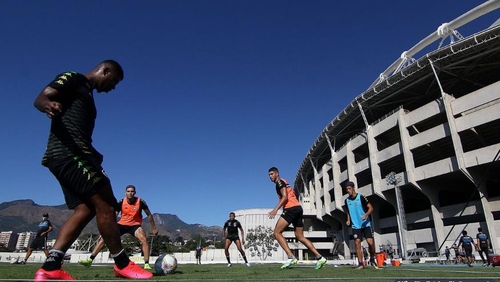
482 246
40 241
232 225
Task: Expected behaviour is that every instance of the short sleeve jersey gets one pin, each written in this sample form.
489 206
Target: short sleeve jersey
198 250
132 213
291 197
357 207
232 227
71 131
466 241
483 239
42 227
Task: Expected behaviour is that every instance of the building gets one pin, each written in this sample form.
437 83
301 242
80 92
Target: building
422 143
8 239
24 240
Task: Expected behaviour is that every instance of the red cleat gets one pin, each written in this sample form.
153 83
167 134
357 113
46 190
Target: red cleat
59 274
133 271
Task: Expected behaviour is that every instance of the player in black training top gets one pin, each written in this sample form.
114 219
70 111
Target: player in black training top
467 242
232 225
482 246
40 241
68 101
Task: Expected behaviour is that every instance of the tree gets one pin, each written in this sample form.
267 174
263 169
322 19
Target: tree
260 242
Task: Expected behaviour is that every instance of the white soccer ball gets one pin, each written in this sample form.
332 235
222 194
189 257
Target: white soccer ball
13 260
165 264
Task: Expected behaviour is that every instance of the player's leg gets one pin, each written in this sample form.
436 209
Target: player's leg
28 254
281 225
359 251
227 243
98 247
141 236
242 252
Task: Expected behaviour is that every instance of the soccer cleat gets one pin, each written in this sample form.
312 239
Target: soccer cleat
320 263
248 264
289 262
59 274
359 267
374 264
147 267
229 265
23 262
85 262
132 271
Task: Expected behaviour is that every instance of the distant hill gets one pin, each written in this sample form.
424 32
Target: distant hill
24 215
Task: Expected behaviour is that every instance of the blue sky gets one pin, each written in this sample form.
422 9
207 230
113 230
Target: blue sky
215 92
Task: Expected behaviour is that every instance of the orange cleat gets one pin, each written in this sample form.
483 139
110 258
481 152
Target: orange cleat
132 271
59 274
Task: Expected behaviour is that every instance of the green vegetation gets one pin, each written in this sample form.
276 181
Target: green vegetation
266 272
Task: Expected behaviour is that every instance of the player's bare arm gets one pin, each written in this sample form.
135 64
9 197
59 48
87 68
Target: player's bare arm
242 236
46 102
283 199
368 212
151 222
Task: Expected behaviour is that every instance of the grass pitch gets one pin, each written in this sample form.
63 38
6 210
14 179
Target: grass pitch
269 272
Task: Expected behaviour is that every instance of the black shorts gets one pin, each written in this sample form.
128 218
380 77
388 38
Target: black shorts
198 256
124 229
483 248
294 215
366 232
39 243
79 180
233 238
468 250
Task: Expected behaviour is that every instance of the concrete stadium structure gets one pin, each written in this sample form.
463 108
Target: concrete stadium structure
421 143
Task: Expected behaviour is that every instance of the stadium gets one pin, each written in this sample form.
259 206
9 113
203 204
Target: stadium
422 143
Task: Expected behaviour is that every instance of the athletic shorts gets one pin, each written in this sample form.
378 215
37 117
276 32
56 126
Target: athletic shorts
233 238
79 180
294 215
468 250
198 256
124 229
38 243
366 232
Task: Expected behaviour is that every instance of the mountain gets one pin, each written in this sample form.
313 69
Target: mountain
24 215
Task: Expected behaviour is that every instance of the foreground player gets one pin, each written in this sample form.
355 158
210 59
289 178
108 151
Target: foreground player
358 217
40 241
232 225
69 102
292 213
130 222
482 246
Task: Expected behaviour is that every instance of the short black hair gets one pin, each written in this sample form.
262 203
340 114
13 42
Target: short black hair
130 186
232 213
116 66
464 232
273 169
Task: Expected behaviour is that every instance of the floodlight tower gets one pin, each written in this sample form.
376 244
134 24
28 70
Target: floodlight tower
394 180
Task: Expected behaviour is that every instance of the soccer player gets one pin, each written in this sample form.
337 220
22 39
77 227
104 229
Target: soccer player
466 242
358 217
68 101
232 225
40 241
198 254
130 222
482 246
292 214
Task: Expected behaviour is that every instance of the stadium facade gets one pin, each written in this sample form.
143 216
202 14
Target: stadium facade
422 143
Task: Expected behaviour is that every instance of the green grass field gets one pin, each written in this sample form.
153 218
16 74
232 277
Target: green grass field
270 272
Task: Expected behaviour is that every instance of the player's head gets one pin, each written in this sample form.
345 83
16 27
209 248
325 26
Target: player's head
232 215
349 187
130 191
274 173
45 216
464 233
479 229
106 75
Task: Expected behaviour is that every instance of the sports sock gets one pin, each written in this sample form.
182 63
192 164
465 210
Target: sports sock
92 257
146 261
228 260
121 259
54 260
245 258
318 258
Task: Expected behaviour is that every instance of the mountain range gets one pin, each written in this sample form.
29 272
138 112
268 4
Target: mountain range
24 215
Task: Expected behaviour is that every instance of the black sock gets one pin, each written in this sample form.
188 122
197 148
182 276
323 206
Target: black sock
245 258
54 260
228 260
146 261
121 259
92 257
318 258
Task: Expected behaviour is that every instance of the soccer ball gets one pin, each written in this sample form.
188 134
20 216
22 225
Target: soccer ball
13 261
165 264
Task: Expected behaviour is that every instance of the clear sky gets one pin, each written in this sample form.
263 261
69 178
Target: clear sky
215 92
